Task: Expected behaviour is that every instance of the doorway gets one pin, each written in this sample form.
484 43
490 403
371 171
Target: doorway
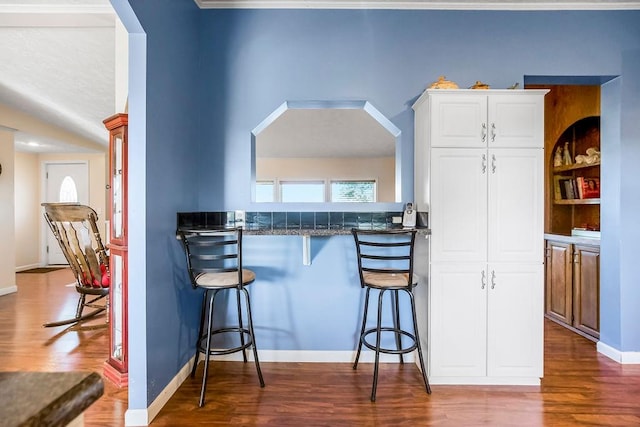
64 182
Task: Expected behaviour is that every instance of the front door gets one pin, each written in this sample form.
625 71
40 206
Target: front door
64 182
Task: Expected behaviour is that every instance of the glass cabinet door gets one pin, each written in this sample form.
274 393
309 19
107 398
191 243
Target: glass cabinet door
117 186
117 318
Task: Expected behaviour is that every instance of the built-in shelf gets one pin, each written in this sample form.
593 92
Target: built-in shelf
577 202
574 167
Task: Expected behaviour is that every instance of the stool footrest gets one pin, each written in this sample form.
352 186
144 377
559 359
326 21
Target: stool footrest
395 331
248 341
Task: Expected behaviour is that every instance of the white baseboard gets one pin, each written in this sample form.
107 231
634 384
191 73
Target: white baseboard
143 417
519 381
316 356
27 267
622 357
8 290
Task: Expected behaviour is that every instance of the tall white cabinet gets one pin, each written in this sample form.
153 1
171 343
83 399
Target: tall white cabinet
479 172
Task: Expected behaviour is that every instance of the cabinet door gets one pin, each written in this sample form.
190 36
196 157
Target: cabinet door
559 282
458 217
515 320
516 205
586 285
516 120
458 120
458 313
118 177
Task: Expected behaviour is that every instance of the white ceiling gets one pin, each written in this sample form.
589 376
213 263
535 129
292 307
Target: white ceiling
58 56
58 65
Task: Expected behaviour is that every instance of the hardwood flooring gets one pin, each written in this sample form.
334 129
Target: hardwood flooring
580 387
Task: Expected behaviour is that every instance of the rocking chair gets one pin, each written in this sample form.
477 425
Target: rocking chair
75 228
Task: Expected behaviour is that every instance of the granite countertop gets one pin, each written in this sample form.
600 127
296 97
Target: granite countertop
46 398
299 231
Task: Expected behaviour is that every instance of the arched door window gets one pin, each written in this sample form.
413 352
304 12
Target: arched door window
68 190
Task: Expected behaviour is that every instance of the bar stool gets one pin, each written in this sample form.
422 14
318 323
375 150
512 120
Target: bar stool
385 263
214 262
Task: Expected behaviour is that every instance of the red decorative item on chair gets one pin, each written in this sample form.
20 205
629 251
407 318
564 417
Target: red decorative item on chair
106 279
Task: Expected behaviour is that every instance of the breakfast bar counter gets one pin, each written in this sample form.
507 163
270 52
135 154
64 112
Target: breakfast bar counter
47 398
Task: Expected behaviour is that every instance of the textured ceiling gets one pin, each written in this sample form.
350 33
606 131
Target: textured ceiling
58 65
58 56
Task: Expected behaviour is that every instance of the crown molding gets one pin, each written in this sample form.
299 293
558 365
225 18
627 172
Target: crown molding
419 4
18 15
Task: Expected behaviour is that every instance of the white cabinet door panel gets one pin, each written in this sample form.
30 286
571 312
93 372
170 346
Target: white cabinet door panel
516 121
458 217
515 320
516 209
458 320
458 121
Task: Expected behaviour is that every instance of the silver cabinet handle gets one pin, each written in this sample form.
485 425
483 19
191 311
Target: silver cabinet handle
493 132
493 163
483 280
484 132
493 279
484 163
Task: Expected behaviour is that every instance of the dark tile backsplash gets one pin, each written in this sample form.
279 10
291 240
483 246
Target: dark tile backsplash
290 220
293 220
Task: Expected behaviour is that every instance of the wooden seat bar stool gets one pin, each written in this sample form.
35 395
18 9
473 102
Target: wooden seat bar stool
385 263
214 263
75 228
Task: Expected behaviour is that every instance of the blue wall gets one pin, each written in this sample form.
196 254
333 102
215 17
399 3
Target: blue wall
213 75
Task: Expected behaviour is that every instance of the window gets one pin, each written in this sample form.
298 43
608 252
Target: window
302 191
265 191
68 190
353 191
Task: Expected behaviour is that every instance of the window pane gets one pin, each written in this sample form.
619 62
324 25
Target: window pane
264 191
302 191
68 191
353 191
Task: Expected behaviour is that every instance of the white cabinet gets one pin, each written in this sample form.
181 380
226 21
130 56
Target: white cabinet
486 204
458 213
458 327
515 320
479 172
486 323
479 119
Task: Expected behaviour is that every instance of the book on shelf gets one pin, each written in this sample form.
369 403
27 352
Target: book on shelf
568 188
563 188
588 187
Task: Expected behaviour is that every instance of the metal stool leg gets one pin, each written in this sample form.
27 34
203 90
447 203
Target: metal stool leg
253 337
418 345
240 324
203 313
396 324
364 324
378 340
208 351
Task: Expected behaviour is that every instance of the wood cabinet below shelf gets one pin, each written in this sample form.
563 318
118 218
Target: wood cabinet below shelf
572 290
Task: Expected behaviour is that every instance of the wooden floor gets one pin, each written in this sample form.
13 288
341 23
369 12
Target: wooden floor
580 386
